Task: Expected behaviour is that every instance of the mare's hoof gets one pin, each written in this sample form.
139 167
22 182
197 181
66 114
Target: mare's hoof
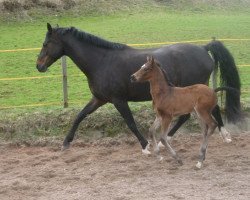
226 136
65 147
199 165
146 150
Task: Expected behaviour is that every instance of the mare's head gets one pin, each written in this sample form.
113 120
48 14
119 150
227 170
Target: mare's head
145 73
51 51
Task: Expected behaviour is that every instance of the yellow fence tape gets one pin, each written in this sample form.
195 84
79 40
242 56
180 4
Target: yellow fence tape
40 105
33 105
74 102
16 50
144 44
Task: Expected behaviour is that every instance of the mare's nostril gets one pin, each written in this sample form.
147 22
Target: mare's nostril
41 68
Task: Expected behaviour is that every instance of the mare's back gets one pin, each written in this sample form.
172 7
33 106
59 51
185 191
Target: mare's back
186 64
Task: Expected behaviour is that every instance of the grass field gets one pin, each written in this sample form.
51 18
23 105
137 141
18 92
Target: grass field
145 25
153 26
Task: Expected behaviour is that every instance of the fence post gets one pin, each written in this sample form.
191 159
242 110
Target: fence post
65 82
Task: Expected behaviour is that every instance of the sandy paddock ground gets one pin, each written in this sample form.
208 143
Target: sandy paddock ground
116 169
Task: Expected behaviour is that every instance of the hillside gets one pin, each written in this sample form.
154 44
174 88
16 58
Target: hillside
31 9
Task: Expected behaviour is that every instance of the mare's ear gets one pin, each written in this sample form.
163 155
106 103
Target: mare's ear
49 27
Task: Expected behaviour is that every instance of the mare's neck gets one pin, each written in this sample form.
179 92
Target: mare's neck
158 84
86 56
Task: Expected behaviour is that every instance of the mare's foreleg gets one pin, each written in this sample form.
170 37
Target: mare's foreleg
165 124
89 108
124 110
223 132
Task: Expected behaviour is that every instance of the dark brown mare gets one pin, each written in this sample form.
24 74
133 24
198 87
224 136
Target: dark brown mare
108 67
169 102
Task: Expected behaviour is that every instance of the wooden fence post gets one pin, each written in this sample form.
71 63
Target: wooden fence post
65 82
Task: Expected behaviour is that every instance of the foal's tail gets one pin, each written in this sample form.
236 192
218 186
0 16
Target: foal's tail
229 78
232 90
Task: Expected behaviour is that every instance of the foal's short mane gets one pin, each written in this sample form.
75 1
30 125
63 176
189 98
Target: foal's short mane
91 39
165 75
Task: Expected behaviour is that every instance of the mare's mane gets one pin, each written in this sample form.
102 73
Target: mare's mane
89 38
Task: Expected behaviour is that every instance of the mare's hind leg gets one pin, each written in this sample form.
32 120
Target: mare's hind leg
209 126
164 126
89 108
223 132
182 119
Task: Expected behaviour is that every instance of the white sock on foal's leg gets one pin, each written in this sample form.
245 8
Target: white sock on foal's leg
169 138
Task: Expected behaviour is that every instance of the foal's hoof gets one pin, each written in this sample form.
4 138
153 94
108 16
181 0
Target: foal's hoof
160 158
199 165
160 145
169 139
146 151
180 162
228 140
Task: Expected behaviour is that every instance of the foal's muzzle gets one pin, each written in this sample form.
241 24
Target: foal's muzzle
133 78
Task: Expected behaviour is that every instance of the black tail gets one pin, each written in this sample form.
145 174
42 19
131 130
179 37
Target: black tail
229 78
234 91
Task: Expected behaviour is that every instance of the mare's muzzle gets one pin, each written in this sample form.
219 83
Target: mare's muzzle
41 68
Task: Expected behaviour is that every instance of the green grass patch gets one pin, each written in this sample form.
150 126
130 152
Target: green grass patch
149 24
155 26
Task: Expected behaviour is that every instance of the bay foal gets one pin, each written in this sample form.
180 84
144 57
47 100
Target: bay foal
169 102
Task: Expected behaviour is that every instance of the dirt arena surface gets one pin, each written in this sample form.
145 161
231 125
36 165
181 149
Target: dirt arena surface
116 169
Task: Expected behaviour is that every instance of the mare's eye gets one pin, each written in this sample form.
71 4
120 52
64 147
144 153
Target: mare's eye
44 44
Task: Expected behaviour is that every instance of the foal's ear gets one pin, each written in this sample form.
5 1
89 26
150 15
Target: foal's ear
49 27
150 59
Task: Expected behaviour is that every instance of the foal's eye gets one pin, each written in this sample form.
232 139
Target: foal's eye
146 69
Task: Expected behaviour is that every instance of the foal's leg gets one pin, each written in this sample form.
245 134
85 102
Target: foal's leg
223 132
210 126
89 108
181 120
152 132
165 124
124 110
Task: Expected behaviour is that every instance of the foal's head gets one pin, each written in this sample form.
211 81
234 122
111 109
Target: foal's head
145 73
51 51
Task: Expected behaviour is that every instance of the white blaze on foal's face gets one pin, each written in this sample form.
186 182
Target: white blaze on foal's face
143 66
